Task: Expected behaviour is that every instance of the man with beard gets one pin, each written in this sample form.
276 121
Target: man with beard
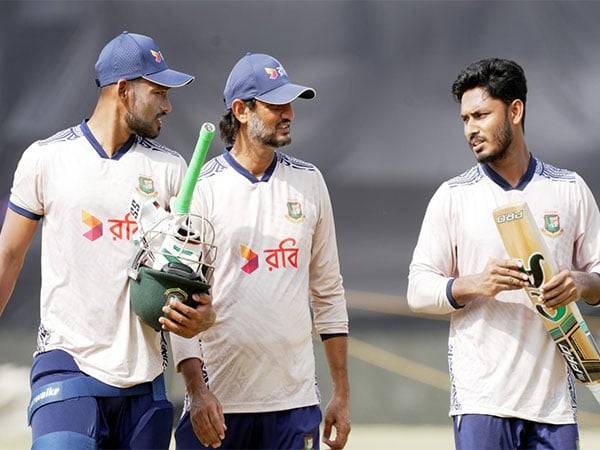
510 387
278 256
97 377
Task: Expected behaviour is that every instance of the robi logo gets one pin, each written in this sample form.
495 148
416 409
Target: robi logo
119 229
249 256
94 223
157 55
284 256
275 73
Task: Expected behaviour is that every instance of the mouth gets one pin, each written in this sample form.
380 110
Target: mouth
477 145
284 128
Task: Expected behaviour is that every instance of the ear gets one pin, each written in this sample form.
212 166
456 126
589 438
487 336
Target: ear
515 111
123 89
240 110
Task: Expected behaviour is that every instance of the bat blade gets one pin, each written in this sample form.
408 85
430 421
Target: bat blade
523 241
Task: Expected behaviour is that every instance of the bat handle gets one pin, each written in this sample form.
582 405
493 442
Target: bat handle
184 198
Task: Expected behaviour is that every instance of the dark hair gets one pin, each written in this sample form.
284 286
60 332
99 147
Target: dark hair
229 125
503 79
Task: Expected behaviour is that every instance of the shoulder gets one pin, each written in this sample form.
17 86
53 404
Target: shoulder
554 173
467 178
214 167
36 152
68 134
154 146
295 163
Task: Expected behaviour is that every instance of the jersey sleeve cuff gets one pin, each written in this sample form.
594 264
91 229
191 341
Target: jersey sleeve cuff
23 212
449 295
324 337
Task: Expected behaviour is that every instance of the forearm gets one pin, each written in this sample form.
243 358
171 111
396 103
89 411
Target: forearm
465 289
590 286
10 267
336 352
191 370
15 238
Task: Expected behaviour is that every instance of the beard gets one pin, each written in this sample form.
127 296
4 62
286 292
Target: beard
138 124
141 127
258 131
503 135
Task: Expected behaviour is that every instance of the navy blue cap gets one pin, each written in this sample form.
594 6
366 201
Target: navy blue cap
262 77
129 56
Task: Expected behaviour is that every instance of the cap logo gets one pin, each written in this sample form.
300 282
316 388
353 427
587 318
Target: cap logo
158 57
275 73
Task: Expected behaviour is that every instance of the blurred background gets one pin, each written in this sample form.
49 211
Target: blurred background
384 130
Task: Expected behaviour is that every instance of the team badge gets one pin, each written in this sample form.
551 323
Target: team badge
552 225
308 442
294 212
175 294
146 186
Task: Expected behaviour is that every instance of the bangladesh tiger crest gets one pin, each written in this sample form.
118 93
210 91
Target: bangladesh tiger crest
294 211
552 225
146 185
175 294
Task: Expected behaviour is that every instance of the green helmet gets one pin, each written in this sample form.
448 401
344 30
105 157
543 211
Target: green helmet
174 260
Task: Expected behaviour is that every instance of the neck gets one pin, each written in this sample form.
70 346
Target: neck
514 165
251 155
108 127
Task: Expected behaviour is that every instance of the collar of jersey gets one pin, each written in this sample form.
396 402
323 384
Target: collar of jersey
96 145
523 182
242 171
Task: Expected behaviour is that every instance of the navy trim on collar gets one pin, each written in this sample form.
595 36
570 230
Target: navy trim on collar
523 182
92 140
242 170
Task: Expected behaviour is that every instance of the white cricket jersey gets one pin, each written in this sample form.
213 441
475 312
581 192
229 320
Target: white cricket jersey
277 256
83 199
501 359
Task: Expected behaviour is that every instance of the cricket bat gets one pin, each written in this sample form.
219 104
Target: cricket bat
523 241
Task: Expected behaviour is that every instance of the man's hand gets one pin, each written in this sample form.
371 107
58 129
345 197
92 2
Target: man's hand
562 289
187 321
208 420
499 275
337 415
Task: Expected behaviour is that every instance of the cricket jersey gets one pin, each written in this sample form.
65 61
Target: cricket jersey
501 359
82 198
277 258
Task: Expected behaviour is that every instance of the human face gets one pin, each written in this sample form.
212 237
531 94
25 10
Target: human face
487 126
147 104
270 124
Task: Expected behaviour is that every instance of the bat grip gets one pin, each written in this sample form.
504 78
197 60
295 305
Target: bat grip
184 197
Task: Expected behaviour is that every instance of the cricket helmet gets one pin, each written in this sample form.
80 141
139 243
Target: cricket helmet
174 259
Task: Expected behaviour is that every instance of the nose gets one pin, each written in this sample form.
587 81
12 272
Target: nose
166 105
287 112
471 130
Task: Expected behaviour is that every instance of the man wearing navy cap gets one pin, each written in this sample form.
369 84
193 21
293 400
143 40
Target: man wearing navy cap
97 378
278 259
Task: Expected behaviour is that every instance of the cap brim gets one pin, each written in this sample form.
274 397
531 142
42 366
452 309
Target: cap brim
286 94
169 78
